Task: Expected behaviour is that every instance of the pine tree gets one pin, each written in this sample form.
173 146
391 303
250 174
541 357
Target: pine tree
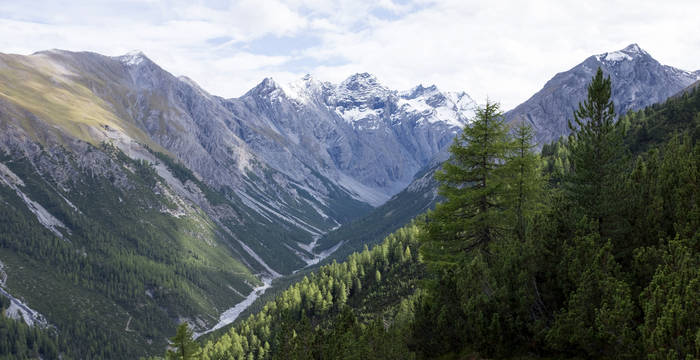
596 150
184 345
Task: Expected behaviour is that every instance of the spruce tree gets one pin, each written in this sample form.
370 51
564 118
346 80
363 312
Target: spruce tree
596 150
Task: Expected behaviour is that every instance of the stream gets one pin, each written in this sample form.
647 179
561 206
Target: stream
230 315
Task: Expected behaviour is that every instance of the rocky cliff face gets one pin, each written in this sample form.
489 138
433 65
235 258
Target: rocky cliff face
361 135
638 81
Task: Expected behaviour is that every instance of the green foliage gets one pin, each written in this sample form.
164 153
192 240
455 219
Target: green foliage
584 268
670 303
183 345
474 188
344 310
525 181
21 341
124 261
596 153
598 317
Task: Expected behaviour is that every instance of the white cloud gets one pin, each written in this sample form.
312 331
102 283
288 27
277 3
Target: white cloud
505 50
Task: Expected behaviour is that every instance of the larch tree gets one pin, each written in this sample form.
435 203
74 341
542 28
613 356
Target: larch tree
185 347
473 187
525 181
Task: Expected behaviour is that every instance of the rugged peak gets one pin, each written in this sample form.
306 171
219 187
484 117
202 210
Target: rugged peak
270 89
637 81
269 82
420 90
266 85
633 49
133 58
361 81
631 52
303 89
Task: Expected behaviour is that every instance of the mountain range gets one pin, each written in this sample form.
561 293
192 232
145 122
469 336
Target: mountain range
308 157
213 196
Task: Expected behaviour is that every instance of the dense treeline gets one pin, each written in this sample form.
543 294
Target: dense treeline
352 309
21 341
603 264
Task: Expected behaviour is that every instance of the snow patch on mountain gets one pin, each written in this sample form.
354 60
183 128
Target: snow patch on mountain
354 114
629 53
451 108
132 58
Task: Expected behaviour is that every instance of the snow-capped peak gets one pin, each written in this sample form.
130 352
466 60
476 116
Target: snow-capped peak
633 49
419 90
451 108
630 52
301 90
361 82
361 87
132 58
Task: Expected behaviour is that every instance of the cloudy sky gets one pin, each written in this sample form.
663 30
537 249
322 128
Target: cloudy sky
505 50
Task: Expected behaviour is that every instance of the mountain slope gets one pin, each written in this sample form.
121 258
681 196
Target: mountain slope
112 257
418 197
638 81
373 287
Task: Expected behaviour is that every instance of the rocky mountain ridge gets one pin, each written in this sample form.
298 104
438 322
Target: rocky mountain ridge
638 80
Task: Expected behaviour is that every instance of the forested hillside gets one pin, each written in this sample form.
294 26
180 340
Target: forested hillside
108 281
358 308
589 250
